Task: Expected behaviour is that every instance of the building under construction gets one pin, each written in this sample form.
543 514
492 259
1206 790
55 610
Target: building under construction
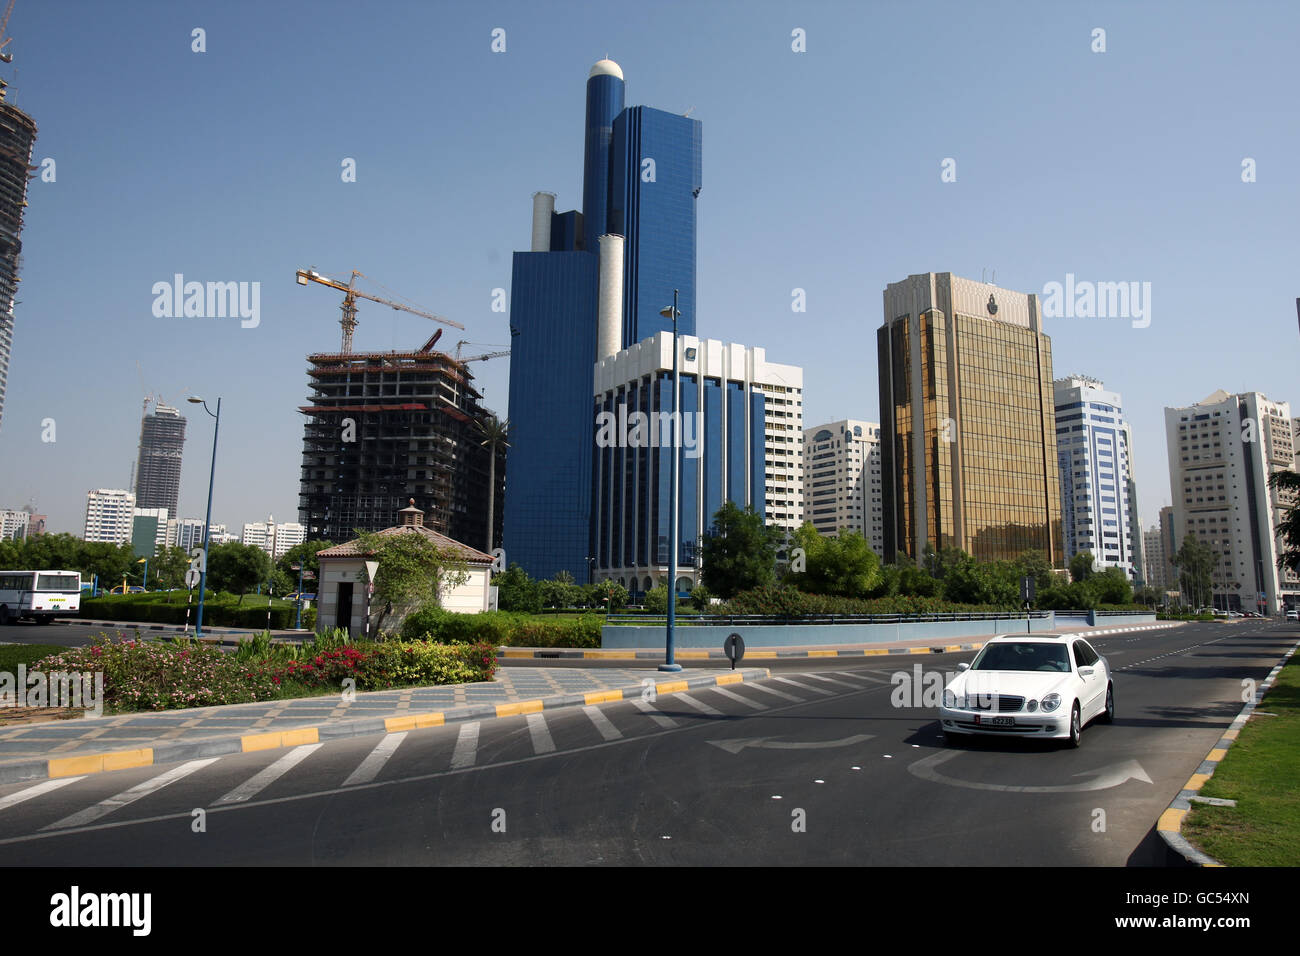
385 427
17 134
158 469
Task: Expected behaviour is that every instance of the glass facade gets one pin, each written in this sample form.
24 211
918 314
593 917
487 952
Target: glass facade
984 478
604 104
656 216
553 348
630 529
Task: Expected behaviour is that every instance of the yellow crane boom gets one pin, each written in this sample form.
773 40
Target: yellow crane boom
349 307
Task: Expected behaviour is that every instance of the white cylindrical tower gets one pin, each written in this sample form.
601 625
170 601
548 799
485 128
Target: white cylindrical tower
609 298
543 208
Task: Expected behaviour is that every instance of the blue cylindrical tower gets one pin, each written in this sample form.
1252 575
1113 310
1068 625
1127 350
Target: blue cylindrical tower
604 103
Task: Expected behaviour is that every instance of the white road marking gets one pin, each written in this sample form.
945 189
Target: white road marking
603 723
808 687
738 698
699 705
259 782
466 746
830 680
375 760
779 693
647 708
537 729
36 791
127 797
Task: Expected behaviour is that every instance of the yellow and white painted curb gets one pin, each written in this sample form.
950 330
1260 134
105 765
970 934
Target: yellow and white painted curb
1170 824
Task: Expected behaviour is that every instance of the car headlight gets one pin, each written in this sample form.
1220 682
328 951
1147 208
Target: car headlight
1051 702
949 699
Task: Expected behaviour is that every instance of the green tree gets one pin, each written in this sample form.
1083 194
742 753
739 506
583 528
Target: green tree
700 597
413 572
167 568
656 599
967 581
738 552
305 552
1288 530
1111 586
237 568
612 595
1035 565
844 566
516 591
1195 563
1081 566
495 434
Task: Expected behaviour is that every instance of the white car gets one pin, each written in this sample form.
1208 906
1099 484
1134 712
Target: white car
1029 686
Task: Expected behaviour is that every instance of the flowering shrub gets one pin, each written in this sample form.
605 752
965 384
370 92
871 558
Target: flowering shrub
146 675
155 675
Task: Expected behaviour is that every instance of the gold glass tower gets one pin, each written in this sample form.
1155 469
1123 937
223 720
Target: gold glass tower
968 422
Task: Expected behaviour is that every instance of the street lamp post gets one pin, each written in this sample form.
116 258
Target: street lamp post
669 664
297 621
207 521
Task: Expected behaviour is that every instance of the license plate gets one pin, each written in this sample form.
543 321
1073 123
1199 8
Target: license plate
996 721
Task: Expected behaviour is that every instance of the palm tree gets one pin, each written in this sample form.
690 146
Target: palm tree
494 432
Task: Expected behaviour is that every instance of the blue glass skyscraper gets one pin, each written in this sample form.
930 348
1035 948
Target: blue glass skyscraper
641 176
654 185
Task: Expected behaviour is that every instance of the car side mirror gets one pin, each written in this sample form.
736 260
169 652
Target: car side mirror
963 667
1085 671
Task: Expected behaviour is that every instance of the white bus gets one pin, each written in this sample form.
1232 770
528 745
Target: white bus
40 595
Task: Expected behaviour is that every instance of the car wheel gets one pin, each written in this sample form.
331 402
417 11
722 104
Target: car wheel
1076 726
44 619
951 740
4 616
1108 717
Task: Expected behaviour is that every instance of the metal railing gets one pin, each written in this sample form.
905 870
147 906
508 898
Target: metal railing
652 620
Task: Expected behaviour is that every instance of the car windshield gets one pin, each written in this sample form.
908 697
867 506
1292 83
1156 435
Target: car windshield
1022 657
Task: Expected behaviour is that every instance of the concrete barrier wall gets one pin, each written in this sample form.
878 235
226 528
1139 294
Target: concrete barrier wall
710 637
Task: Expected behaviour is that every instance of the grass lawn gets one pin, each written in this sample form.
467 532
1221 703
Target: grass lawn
1262 773
11 655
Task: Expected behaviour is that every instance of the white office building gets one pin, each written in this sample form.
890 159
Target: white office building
274 539
1094 454
742 440
13 524
842 479
110 513
1222 452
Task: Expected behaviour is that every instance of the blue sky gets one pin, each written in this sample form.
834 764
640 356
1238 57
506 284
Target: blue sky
821 172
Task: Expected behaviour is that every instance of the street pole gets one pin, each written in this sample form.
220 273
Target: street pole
669 663
297 622
207 521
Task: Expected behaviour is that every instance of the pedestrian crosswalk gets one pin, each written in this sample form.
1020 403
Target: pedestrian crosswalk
349 765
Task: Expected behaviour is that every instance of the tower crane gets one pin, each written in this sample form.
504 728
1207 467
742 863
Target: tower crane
349 307
464 342
6 40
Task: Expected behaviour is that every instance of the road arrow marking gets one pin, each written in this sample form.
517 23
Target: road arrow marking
771 743
1102 779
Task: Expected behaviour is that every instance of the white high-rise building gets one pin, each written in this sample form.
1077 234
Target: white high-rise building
1094 454
842 479
109 515
742 440
187 533
274 539
1222 452
13 524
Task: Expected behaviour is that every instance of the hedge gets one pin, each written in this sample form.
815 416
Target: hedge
502 628
168 607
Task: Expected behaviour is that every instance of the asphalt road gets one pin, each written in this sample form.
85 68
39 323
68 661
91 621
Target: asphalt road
814 766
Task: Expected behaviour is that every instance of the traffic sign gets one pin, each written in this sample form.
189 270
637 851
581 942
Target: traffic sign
192 578
734 648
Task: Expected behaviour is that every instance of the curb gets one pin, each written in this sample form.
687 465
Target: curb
1170 824
516 653
56 767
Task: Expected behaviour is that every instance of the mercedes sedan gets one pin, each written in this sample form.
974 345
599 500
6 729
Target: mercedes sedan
1029 686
